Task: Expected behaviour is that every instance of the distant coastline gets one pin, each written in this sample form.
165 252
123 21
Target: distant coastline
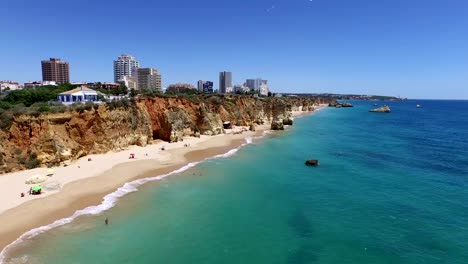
348 96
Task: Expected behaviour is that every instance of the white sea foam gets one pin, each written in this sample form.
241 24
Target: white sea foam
108 202
111 199
248 140
227 154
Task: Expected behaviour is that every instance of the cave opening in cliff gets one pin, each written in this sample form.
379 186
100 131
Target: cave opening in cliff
155 135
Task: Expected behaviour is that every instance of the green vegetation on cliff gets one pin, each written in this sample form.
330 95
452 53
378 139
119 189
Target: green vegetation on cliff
28 97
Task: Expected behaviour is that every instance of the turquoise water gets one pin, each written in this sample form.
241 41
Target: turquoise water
390 188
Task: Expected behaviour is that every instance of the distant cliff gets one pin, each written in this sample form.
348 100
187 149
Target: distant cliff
50 139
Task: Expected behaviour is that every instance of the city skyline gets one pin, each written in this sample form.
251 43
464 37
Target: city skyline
411 49
127 70
126 67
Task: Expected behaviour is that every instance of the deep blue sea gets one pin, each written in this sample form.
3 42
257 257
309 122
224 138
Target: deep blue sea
390 188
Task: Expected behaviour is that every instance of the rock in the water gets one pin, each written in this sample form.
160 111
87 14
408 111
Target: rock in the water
382 109
288 121
312 162
347 105
277 125
339 105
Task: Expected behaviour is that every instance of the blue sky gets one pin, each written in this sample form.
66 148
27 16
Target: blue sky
410 48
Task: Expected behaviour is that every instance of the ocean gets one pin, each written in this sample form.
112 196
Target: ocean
390 188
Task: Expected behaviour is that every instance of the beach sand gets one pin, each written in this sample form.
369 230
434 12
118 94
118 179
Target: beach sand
84 183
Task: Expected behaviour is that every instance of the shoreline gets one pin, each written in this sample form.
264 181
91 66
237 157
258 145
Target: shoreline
91 190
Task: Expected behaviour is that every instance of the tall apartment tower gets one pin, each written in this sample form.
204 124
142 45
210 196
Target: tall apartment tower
200 85
208 87
125 65
55 70
148 79
254 84
225 82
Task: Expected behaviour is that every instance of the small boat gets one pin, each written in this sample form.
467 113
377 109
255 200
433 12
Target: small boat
418 106
375 104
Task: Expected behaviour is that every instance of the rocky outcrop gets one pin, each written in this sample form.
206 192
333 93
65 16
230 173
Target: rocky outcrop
53 138
288 121
312 162
277 125
339 105
382 109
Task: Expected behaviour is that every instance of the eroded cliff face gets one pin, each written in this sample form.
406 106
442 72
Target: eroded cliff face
51 139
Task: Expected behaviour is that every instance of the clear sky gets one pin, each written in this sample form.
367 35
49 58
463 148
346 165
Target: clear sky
410 48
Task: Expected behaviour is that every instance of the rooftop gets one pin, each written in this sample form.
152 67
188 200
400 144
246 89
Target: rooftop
82 88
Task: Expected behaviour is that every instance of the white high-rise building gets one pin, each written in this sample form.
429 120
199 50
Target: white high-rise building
241 89
254 84
125 65
200 85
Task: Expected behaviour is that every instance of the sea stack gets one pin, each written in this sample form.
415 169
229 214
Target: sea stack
382 109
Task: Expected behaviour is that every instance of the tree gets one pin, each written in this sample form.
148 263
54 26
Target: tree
40 94
170 92
101 98
121 90
181 88
133 93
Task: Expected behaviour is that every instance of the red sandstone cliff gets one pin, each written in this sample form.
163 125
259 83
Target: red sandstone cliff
50 139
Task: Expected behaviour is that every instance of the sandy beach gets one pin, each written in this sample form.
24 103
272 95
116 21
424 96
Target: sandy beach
84 183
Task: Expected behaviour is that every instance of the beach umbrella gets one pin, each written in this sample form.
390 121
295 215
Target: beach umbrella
36 179
37 188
